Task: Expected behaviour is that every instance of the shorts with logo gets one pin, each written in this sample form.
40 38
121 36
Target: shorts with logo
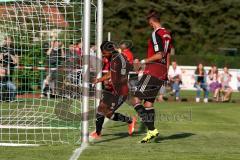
148 88
113 101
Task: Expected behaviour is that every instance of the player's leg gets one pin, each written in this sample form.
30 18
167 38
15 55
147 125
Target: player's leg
137 99
108 105
148 89
115 116
98 122
100 115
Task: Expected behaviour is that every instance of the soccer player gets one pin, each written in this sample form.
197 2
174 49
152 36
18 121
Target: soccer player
111 101
155 74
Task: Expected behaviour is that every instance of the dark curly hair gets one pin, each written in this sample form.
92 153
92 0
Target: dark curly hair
107 46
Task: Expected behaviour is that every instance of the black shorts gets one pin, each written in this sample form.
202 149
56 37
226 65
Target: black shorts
113 101
148 88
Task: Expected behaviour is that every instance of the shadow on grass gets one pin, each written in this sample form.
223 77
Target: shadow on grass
173 137
116 137
116 126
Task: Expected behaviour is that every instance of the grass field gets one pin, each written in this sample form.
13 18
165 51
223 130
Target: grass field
187 131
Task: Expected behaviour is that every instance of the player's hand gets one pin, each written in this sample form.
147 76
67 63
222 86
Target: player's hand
95 81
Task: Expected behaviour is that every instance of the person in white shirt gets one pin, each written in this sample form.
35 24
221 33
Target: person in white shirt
175 78
226 88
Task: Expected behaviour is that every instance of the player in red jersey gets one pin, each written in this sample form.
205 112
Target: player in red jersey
155 74
127 52
107 85
111 101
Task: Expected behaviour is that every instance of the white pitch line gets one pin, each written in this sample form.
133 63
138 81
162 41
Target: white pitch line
77 153
18 145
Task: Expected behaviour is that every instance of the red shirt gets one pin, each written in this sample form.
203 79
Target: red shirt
128 53
106 67
160 41
79 53
106 64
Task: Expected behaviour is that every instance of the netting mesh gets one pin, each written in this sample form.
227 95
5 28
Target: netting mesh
40 70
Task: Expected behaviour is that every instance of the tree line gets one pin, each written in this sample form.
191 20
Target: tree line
198 27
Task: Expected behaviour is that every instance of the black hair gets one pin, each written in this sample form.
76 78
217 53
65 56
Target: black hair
107 46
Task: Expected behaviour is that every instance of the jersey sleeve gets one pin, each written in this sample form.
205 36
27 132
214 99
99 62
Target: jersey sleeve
157 42
114 68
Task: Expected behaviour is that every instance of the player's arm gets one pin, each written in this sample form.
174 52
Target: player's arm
103 78
159 49
155 57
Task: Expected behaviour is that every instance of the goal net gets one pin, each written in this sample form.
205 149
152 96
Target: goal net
40 71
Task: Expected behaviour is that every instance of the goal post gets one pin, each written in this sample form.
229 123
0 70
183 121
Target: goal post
86 69
50 95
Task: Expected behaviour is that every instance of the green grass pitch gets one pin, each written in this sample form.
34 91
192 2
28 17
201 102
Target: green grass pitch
188 131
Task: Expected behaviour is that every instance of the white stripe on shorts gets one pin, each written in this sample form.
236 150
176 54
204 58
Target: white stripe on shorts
145 83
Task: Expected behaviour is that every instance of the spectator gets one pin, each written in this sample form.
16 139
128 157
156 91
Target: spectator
127 52
9 60
213 81
72 63
3 81
93 58
226 88
201 83
78 50
238 81
175 78
46 87
162 92
72 57
55 55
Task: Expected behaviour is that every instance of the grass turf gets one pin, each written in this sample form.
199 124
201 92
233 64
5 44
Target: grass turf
187 131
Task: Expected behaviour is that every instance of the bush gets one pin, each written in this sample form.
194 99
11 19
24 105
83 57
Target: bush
208 60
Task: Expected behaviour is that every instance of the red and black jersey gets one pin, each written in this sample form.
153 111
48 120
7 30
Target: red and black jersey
106 64
160 41
106 67
120 68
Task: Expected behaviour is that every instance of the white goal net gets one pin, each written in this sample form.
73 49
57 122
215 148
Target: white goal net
40 71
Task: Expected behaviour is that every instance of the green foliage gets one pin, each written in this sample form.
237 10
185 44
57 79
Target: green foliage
198 26
208 60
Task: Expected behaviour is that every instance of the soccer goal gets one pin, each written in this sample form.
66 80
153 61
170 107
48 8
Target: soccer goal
40 71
